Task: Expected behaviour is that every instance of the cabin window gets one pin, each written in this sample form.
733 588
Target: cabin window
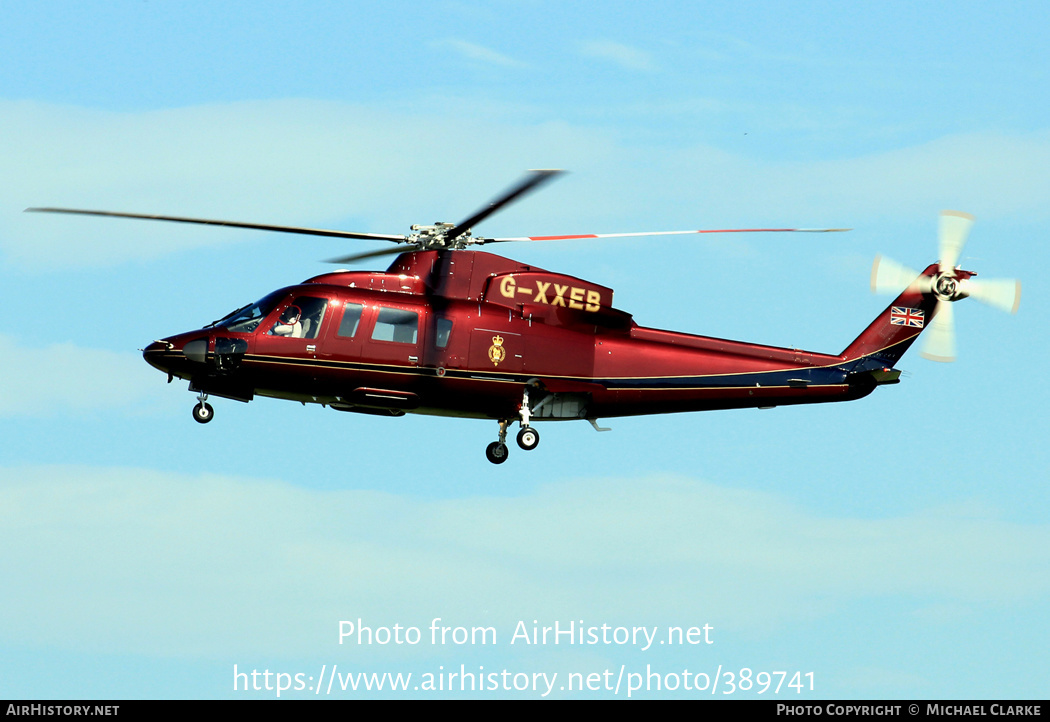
444 328
351 320
397 325
301 319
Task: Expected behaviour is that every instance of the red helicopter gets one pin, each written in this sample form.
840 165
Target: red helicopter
452 332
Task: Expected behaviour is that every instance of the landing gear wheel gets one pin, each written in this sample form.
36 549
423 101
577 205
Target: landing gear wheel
497 452
203 413
528 438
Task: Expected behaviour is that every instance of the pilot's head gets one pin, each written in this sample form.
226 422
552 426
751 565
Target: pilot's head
290 315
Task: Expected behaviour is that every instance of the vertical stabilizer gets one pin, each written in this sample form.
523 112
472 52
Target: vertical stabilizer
883 342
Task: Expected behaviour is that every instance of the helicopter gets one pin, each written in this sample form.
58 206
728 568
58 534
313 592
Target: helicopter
451 331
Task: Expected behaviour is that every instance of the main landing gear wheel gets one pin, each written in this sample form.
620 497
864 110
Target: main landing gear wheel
528 438
203 413
497 452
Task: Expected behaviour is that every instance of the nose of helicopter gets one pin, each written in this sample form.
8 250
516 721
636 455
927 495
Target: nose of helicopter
157 355
172 355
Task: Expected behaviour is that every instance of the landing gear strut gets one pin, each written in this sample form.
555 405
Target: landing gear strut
203 412
528 438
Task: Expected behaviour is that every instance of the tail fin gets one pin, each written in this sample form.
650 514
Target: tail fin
883 343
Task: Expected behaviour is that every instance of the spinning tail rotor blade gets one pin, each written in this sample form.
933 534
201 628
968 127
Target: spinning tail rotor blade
953 232
889 276
1001 293
940 336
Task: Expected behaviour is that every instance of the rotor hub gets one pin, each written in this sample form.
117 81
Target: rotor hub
435 237
946 287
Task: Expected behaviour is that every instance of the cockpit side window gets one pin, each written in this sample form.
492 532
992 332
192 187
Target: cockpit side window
301 319
247 319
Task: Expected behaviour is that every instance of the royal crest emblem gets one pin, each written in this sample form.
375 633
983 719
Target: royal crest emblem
496 351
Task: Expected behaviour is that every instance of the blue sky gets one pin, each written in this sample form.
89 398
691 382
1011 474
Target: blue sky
894 547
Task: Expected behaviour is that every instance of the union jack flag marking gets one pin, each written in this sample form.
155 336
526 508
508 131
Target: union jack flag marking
901 316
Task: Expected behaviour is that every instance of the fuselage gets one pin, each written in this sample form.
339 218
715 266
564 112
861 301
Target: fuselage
464 333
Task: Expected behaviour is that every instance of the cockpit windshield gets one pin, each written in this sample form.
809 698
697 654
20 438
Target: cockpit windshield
246 319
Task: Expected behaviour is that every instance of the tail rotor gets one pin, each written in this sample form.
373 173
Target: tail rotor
948 284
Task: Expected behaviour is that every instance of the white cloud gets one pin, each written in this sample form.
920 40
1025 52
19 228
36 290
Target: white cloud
284 162
138 561
63 378
989 173
622 55
986 174
477 53
300 162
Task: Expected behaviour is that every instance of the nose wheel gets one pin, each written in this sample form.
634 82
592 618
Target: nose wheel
203 412
497 452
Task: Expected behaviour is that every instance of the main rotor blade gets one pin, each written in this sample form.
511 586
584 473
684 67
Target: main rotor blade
1004 294
372 254
940 336
663 233
530 182
231 224
953 231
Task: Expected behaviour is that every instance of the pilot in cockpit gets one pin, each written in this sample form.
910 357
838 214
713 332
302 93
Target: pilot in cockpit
288 324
